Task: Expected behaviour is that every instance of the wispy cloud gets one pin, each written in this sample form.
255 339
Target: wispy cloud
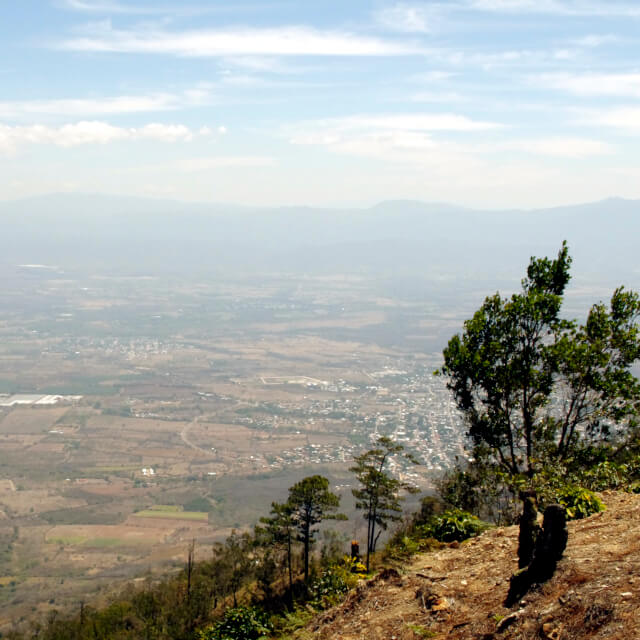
626 119
557 7
444 97
92 132
595 40
171 9
194 165
101 6
267 64
399 138
559 147
405 122
277 41
413 139
404 18
110 105
593 84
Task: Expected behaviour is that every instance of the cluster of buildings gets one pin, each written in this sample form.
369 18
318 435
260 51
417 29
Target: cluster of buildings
409 404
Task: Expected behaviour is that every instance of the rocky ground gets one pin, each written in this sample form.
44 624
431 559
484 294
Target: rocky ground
458 592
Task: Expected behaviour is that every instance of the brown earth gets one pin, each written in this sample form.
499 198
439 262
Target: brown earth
458 593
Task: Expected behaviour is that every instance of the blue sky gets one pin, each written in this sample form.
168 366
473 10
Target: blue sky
487 103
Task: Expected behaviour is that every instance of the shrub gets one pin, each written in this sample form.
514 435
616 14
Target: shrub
239 623
454 524
579 502
330 586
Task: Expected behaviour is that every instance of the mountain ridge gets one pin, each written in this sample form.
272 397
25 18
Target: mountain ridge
391 238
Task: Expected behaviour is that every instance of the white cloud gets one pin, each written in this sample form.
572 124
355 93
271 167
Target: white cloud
89 132
595 40
560 147
404 18
163 132
625 118
110 105
93 6
192 165
593 84
410 139
280 41
437 97
172 9
395 138
267 64
403 122
558 7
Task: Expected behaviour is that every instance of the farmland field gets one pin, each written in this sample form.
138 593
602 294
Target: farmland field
200 403
172 515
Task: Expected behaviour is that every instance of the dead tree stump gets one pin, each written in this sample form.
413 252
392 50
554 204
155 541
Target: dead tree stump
549 547
529 528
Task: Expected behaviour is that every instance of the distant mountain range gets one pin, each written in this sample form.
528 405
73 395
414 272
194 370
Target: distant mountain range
393 237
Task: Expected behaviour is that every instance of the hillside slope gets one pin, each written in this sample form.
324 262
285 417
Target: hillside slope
458 593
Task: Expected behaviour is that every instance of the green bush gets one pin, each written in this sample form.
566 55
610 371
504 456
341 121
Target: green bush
332 584
239 623
454 524
579 502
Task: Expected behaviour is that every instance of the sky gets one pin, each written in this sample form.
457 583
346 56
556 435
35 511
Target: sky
484 103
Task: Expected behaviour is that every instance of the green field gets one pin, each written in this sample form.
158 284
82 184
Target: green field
102 543
176 515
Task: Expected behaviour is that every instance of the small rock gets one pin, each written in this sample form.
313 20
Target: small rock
550 631
441 604
627 594
464 583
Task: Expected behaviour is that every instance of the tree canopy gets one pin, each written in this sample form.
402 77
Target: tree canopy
535 387
311 501
379 492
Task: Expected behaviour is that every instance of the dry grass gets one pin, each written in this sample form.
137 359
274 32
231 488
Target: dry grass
594 594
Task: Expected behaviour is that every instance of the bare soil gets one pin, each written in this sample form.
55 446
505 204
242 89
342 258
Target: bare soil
458 592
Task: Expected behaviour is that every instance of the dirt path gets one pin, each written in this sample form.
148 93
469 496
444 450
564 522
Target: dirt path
184 435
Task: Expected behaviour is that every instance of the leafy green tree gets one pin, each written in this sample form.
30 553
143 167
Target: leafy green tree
279 531
311 501
234 562
536 388
379 492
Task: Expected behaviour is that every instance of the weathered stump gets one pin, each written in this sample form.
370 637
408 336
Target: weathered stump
550 545
529 529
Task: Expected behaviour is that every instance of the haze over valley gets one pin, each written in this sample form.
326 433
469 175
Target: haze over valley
196 361
237 236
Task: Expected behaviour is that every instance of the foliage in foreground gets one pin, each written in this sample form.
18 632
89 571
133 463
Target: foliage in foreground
378 494
579 502
538 390
432 527
239 623
454 525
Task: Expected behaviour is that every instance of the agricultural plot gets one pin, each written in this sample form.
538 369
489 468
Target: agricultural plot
170 512
31 420
96 536
231 391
